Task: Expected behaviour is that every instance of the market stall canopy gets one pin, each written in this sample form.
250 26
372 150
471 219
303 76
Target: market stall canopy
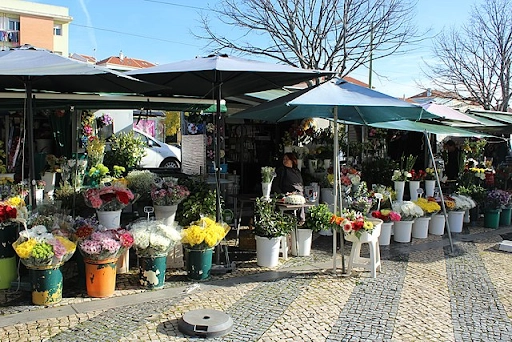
416 126
355 104
52 72
236 76
445 112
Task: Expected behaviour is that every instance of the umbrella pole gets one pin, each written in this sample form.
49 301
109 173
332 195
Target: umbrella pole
216 165
440 191
336 168
30 138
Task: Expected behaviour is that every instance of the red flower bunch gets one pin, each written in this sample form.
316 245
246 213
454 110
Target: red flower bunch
108 198
386 215
7 212
418 176
349 221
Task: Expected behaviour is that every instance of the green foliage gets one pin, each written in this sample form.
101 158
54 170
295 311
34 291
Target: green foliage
201 202
378 171
476 192
126 149
269 221
318 218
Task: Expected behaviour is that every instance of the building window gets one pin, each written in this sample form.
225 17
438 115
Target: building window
14 25
57 30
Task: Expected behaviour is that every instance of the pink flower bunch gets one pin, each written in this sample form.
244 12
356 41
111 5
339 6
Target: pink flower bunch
108 198
107 244
168 192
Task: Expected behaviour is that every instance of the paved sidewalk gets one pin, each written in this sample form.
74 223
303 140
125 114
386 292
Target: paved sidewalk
424 293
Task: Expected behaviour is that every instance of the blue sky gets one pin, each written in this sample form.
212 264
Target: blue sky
159 31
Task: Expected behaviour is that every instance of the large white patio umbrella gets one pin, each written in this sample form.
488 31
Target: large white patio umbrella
221 76
28 69
341 101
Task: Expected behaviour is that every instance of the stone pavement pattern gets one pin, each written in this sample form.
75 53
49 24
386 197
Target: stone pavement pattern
425 293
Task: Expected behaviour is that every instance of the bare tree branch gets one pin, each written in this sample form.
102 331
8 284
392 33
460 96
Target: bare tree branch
475 61
331 35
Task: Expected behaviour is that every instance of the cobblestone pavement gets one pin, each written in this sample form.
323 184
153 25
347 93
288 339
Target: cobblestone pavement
425 292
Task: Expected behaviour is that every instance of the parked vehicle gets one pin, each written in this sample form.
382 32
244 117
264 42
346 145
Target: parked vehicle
159 154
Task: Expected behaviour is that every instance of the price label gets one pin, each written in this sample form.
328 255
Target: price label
419 191
379 196
149 210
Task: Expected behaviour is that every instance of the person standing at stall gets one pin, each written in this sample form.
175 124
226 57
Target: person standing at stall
289 180
452 165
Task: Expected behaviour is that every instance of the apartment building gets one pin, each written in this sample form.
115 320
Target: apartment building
40 25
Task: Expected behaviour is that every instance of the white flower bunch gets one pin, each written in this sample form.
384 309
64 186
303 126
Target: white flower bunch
400 175
354 179
153 238
300 151
408 210
463 202
268 174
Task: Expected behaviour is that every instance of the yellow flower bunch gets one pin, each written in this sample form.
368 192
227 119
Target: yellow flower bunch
204 233
24 249
15 201
429 207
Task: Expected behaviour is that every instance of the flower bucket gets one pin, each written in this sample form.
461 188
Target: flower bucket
100 277
109 219
267 251
505 216
403 231
8 235
467 217
324 232
265 189
492 218
152 271
413 189
301 242
385 233
430 185
436 224
366 237
123 262
166 213
49 179
399 189
420 227
8 272
39 196
46 284
199 263
456 221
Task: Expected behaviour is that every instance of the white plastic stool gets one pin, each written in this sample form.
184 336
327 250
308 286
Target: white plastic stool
371 264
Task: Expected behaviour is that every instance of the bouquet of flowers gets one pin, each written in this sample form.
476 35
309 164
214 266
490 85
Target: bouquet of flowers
37 247
97 244
352 222
108 197
418 175
153 238
203 234
496 199
430 173
13 209
408 210
348 177
406 165
386 215
268 174
463 202
428 205
168 192
361 200
449 202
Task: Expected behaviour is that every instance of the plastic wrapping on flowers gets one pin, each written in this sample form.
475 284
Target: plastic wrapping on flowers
428 205
154 238
203 234
37 247
408 210
103 244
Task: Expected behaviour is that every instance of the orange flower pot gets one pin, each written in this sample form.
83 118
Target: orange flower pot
100 277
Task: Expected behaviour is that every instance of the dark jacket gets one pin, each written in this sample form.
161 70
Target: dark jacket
288 180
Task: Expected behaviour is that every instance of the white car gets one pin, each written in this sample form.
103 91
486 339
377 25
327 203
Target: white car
158 154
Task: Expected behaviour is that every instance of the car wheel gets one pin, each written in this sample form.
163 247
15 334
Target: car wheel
171 163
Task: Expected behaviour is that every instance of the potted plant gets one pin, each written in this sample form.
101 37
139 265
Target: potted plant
153 240
126 149
268 174
270 225
199 239
201 202
109 200
43 253
403 174
495 200
408 211
166 194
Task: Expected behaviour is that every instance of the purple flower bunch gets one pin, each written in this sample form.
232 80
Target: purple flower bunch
496 199
106 244
106 120
168 192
